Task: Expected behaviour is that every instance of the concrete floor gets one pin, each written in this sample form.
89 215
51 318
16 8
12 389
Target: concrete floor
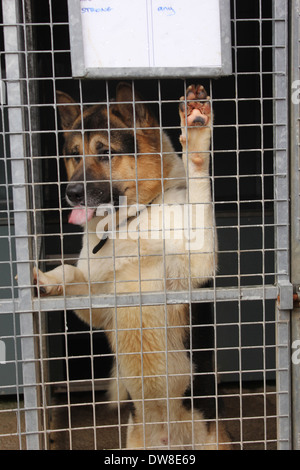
72 426
11 423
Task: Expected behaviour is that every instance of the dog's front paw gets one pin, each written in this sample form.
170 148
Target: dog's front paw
195 109
46 284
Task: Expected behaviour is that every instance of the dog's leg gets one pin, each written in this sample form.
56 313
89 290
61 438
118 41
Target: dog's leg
116 389
156 370
64 279
147 369
196 119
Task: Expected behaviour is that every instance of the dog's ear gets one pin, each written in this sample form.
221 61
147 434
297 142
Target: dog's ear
126 99
67 108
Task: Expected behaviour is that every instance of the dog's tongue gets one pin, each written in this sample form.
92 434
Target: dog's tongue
80 215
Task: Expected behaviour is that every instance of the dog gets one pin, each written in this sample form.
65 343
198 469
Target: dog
118 152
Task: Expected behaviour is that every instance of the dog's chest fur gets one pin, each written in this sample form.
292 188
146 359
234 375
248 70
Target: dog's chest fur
141 257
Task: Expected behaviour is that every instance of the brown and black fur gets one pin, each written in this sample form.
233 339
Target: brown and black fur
126 153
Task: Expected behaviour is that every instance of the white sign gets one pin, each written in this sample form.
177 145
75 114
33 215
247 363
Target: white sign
150 34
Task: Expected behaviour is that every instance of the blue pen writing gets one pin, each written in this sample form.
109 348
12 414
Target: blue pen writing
96 10
169 11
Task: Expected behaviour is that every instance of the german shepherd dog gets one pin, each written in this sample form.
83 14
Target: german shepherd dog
119 151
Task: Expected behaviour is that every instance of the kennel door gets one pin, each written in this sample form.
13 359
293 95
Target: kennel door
141 38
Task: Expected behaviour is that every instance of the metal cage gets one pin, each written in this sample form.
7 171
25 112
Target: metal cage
54 370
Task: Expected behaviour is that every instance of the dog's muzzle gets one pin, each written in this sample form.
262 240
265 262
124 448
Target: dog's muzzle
85 198
75 193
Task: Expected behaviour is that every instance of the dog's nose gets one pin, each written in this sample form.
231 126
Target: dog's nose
75 193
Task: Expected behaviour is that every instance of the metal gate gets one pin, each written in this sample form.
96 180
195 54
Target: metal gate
54 370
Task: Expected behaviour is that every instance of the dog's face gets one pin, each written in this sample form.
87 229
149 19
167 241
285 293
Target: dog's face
110 151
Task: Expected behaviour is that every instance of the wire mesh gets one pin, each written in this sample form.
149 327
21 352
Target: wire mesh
55 369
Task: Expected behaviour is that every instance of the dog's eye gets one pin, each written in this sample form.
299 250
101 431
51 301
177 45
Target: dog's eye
76 155
103 154
76 158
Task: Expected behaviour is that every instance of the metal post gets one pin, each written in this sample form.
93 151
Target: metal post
295 225
281 190
13 64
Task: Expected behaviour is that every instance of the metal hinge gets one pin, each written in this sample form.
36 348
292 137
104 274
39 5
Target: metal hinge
286 295
296 296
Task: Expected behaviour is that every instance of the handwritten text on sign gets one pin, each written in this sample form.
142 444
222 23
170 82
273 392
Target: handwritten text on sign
96 10
143 33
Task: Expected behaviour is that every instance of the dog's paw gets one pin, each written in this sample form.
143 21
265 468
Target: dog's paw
46 284
195 108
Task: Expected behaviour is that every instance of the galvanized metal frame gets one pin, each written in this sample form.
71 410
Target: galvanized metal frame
79 69
295 211
26 304
12 15
281 167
